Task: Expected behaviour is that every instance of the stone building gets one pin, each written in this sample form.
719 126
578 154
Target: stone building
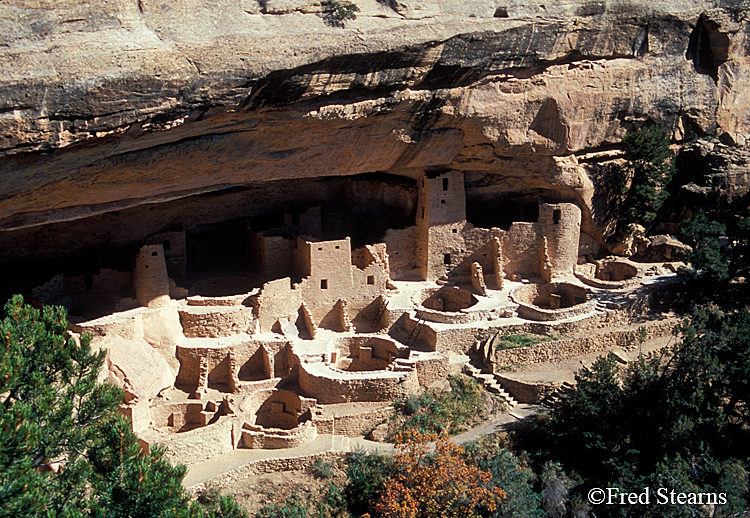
447 245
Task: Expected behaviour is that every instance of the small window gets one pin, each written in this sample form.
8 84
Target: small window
455 231
445 184
154 254
320 248
166 244
422 212
370 279
447 259
323 284
442 202
556 216
88 281
337 247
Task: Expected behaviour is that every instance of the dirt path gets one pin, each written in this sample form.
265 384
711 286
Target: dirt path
221 464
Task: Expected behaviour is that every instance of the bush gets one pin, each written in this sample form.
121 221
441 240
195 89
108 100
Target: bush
510 473
444 413
286 506
366 474
439 484
332 504
338 11
707 258
322 469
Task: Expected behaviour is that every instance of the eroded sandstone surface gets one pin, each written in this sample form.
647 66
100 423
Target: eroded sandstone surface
119 119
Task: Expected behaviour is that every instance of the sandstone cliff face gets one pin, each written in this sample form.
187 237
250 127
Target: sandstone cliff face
137 107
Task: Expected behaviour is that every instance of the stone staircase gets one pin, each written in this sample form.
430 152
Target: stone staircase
490 383
554 398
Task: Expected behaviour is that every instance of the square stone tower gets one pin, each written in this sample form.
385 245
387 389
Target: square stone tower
441 218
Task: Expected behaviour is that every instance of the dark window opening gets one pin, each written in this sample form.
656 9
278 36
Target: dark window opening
445 184
502 212
320 248
154 254
501 12
337 247
88 281
447 259
166 244
556 214
370 279
323 284
442 201
455 231
422 212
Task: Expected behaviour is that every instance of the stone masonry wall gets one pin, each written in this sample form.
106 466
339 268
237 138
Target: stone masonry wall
401 246
150 278
276 300
328 389
564 349
200 444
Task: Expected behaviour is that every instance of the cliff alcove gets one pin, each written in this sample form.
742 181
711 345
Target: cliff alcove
277 227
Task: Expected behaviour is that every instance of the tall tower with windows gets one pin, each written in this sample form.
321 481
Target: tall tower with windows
441 218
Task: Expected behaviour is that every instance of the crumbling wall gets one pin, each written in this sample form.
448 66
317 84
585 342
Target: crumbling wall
106 281
215 322
430 370
229 365
255 436
350 419
401 245
273 255
203 365
281 410
561 350
310 223
560 224
276 300
521 243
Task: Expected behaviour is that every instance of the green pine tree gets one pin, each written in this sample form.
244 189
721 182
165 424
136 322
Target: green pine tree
649 169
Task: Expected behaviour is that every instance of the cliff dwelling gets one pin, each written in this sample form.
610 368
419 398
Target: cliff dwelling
277 227
262 331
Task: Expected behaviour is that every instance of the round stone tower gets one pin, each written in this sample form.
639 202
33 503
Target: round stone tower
150 277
